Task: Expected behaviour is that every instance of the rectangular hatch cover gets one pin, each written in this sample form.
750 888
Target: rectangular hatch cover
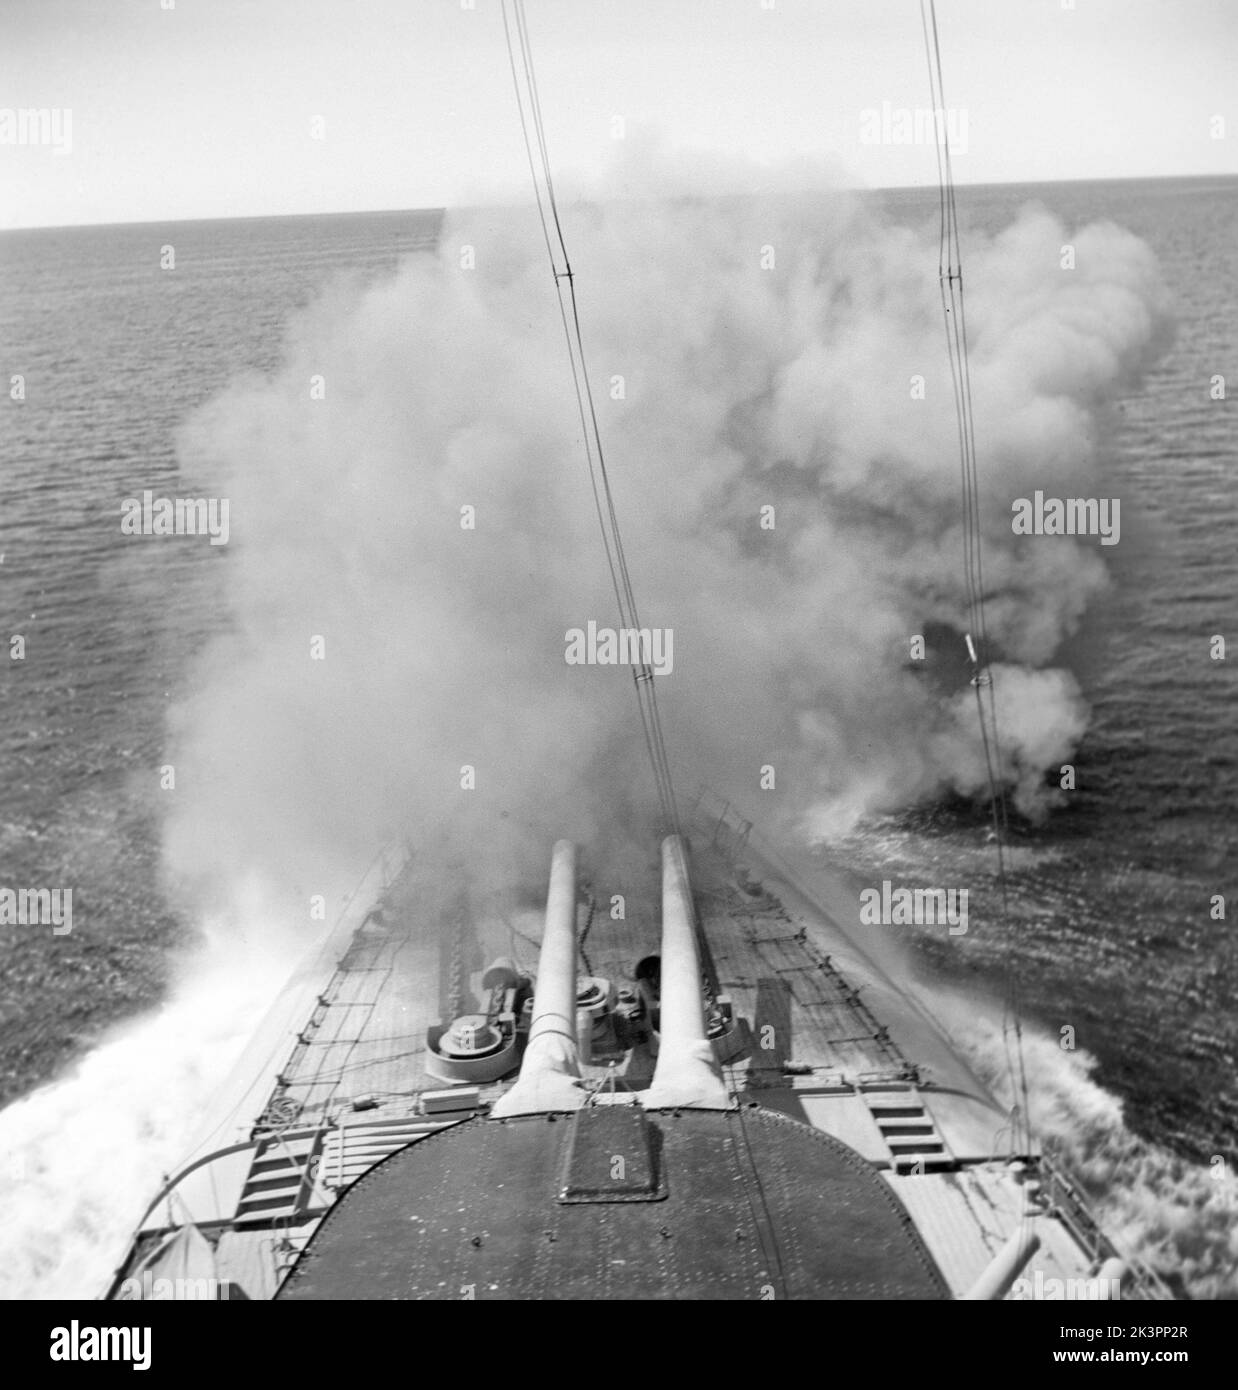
611 1153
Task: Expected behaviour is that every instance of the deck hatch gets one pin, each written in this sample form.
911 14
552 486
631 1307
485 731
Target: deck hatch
610 1154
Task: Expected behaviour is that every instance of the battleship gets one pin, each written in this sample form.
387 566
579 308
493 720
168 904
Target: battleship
734 1102
710 1086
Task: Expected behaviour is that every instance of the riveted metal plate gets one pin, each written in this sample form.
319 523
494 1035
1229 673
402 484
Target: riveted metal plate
757 1206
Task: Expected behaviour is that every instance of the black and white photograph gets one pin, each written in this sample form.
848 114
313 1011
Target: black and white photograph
616 638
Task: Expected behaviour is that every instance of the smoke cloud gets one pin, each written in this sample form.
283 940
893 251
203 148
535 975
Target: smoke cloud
789 506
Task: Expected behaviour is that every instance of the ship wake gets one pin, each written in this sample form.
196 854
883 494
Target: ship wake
1176 1216
86 1154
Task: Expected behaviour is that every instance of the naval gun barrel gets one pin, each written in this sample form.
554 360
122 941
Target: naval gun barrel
997 1277
551 1067
687 1072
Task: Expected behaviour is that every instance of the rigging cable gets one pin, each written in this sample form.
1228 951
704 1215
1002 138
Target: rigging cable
950 279
534 134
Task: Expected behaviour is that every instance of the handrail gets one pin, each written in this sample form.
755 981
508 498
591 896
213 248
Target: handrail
1064 1192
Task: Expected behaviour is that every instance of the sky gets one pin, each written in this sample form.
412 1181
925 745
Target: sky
168 109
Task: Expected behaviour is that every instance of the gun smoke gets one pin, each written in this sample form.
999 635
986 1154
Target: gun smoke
724 388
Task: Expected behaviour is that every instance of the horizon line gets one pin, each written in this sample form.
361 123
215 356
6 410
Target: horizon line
926 186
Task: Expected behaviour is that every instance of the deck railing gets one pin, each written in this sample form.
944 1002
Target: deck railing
730 831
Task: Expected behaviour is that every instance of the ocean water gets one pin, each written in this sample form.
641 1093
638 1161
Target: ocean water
1110 897
1112 932
116 352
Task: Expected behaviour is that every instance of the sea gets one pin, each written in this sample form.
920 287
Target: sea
1111 898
